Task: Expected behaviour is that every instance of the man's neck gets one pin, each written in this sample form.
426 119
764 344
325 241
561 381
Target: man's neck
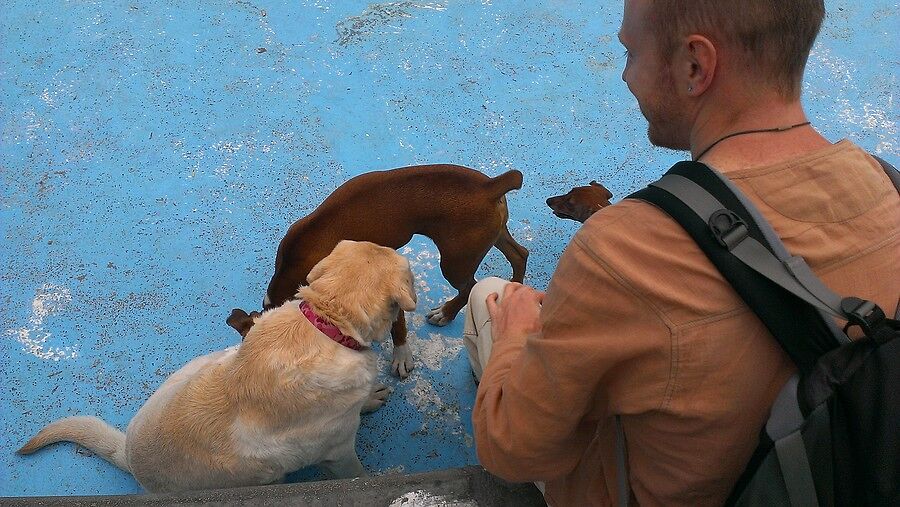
757 149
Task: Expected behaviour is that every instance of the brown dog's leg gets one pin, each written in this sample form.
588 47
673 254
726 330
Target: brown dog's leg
401 362
442 315
516 254
458 269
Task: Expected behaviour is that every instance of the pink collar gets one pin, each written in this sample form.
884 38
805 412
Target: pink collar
329 329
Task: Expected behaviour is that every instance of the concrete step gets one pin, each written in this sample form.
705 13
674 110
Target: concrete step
456 487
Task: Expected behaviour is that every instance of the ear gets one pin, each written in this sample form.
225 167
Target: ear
406 294
317 271
594 183
698 65
324 265
241 321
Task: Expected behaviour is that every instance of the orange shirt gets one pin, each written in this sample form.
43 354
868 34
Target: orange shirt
637 322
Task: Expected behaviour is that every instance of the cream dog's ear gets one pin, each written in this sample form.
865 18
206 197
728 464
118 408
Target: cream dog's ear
324 265
405 292
317 271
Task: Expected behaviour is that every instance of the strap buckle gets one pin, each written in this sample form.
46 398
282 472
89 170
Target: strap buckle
728 228
859 312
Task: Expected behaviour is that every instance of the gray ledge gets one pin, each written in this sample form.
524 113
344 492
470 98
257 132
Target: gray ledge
469 486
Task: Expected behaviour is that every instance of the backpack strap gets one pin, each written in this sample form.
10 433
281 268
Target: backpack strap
780 288
791 274
894 176
890 170
795 321
744 246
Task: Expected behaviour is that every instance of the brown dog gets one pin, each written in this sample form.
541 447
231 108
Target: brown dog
581 202
462 210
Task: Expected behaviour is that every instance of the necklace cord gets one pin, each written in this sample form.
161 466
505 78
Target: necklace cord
743 132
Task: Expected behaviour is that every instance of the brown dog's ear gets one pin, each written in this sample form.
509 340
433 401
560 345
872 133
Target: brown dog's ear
606 191
241 321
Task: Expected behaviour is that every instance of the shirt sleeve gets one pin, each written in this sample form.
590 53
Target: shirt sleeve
541 398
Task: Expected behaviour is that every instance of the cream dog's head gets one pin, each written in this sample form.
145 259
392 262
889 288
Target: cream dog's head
361 288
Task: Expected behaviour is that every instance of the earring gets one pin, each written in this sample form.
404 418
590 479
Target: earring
690 89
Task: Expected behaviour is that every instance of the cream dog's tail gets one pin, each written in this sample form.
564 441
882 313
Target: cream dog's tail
90 432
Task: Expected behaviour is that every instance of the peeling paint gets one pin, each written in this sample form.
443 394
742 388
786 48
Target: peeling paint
356 29
153 157
422 498
50 299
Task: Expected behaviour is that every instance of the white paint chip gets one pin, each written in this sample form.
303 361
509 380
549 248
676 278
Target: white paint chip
434 352
49 300
422 498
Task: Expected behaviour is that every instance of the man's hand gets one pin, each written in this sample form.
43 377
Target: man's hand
517 314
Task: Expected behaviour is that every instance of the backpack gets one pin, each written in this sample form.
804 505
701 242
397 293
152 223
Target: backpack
833 433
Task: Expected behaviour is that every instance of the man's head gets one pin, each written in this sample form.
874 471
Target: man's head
676 48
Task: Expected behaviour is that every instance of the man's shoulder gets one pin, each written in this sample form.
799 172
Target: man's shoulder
630 222
631 235
639 248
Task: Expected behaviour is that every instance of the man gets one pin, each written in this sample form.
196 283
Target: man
636 322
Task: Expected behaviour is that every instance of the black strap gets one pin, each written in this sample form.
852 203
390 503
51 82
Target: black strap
789 272
894 176
800 329
890 170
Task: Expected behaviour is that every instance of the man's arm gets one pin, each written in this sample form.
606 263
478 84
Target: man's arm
541 397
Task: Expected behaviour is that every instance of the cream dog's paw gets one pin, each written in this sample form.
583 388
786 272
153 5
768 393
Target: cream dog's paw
376 399
402 362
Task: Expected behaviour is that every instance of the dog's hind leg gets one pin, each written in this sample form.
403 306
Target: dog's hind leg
516 254
459 269
346 465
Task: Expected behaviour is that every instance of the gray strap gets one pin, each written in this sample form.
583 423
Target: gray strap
796 471
765 227
621 469
775 243
785 416
793 274
783 427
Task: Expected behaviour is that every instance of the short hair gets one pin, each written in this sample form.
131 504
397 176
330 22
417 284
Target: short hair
775 36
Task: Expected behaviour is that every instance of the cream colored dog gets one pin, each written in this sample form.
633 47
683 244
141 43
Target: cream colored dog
288 396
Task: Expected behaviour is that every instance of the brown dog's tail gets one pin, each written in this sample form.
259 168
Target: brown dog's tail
91 432
505 182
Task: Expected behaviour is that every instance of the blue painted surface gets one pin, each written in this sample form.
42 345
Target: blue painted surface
152 155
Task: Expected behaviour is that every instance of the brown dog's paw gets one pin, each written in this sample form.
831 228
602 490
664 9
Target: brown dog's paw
437 317
580 202
241 321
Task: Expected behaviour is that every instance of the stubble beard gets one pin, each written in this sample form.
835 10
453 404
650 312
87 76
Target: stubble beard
666 118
